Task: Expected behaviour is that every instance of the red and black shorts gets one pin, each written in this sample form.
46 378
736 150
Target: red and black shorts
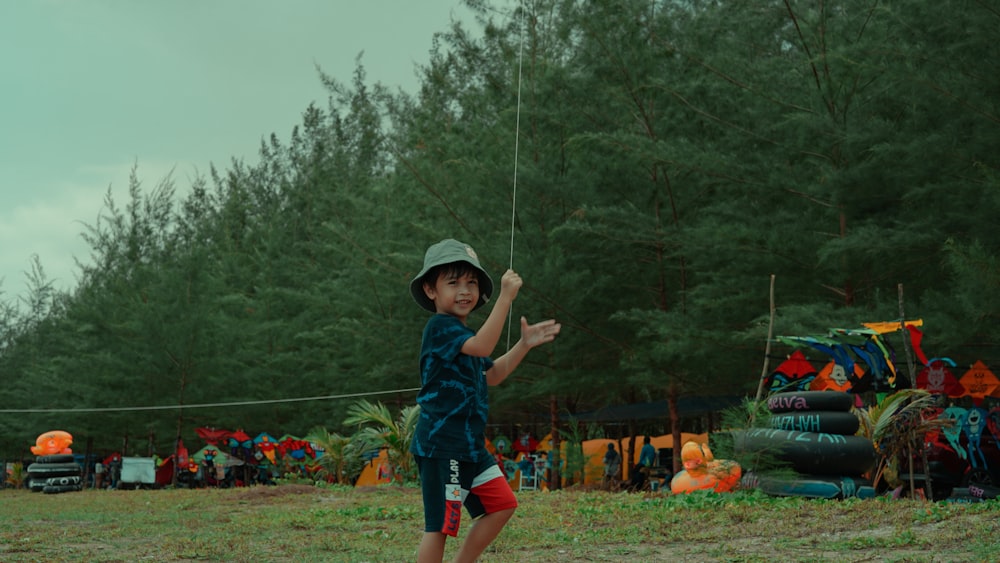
449 484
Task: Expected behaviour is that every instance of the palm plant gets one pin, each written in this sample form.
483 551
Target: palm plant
897 426
341 460
380 430
16 476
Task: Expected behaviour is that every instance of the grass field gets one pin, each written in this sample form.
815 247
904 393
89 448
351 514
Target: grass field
305 523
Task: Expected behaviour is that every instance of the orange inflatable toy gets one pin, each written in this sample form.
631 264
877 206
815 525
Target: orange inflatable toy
702 472
53 442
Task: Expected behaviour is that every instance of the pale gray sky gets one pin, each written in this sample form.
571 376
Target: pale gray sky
88 88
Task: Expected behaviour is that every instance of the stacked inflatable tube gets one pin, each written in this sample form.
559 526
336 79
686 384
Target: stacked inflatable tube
55 470
814 433
55 473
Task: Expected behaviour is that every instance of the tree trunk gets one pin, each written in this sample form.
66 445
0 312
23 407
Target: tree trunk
628 457
555 479
675 425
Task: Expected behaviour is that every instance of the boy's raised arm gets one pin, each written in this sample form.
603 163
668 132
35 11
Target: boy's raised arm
485 341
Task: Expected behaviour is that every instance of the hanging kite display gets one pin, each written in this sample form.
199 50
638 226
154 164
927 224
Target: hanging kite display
937 378
979 382
833 378
794 374
973 427
212 436
266 445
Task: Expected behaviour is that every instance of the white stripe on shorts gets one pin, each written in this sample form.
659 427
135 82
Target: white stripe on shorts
490 474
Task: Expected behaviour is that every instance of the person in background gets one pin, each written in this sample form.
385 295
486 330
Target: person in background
641 471
612 463
115 471
98 475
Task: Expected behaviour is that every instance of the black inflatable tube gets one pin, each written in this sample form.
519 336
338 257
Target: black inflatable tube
55 458
829 422
817 486
49 468
55 489
810 401
812 453
64 480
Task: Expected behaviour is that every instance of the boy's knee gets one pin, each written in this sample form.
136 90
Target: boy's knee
506 513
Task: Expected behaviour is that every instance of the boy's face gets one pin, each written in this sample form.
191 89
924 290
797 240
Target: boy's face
453 294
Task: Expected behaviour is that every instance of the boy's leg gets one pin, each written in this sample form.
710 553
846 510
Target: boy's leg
481 535
437 509
492 502
431 548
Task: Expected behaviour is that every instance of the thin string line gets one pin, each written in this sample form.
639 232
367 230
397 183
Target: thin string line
517 138
208 405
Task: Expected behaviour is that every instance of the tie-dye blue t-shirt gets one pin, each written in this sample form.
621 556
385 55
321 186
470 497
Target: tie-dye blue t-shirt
453 398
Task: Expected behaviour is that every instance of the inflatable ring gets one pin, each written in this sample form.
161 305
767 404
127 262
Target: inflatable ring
56 489
817 486
813 453
810 401
45 470
830 422
65 480
55 458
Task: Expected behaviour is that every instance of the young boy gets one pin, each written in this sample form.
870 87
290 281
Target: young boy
449 444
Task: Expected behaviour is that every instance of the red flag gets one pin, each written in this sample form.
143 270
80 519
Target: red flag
915 337
182 454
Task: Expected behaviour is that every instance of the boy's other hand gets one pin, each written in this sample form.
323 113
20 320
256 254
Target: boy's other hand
539 333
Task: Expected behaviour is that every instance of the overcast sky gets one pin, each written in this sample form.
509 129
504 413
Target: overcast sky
89 88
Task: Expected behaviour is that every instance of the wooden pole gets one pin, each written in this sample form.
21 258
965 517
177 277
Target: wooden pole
906 337
767 350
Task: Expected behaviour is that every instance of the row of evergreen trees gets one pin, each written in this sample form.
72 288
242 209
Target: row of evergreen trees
672 157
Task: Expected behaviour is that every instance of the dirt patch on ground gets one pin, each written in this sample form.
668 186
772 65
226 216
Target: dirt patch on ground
271 493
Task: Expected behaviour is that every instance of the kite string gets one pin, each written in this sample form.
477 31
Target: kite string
208 405
517 137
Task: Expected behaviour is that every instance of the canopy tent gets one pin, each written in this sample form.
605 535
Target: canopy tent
593 453
215 455
376 472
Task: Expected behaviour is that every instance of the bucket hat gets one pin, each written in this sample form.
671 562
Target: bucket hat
446 252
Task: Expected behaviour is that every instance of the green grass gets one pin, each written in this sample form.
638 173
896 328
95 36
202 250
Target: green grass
304 523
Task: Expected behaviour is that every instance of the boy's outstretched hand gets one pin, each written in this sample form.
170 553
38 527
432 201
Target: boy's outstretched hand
539 333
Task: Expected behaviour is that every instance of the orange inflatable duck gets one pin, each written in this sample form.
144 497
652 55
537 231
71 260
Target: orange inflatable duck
702 472
53 442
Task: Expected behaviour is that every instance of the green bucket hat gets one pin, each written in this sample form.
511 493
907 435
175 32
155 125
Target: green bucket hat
446 252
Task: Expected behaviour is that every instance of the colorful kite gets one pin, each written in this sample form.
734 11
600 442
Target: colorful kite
937 378
979 382
212 436
833 378
794 374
